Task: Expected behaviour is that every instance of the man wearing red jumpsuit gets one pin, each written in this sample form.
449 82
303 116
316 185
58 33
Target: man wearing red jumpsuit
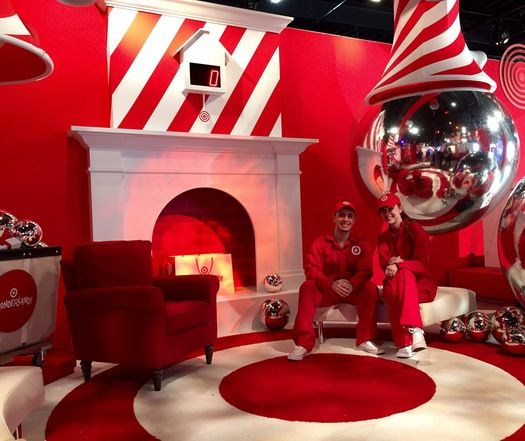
404 256
338 270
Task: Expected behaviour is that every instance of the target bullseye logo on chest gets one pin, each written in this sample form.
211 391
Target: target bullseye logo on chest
18 295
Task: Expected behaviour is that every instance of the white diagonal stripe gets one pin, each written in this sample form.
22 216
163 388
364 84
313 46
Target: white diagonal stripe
434 44
258 99
119 21
404 15
143 66
277 128
425 21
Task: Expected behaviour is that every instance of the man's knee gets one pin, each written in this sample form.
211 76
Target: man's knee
308 289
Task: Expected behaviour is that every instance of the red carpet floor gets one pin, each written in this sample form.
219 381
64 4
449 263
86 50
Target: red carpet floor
341 386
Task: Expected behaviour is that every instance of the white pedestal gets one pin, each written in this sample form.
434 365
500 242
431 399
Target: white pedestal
239 313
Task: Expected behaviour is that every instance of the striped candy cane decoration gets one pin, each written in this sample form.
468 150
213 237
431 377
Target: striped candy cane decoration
147 83
428 54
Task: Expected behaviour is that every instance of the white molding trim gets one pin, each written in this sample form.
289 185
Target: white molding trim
199 10
131 139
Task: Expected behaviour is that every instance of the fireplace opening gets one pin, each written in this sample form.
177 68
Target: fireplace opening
202 221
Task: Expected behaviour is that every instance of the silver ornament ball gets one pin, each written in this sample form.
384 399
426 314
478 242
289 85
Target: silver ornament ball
28 232
273 283
511 241
7 220
453 330
449 156
478 326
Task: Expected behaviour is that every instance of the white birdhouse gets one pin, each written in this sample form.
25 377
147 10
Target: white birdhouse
203 61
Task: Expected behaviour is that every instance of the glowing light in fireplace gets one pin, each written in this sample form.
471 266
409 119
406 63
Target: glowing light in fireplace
219 265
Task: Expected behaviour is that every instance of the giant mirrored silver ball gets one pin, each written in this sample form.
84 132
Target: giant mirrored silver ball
511 241
28 232
449 156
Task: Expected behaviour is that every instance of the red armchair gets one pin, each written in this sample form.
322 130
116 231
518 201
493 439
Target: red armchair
119 313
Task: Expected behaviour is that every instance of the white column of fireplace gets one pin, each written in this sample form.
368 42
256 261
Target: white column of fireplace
134 174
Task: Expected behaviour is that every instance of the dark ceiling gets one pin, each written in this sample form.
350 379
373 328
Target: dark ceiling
483 21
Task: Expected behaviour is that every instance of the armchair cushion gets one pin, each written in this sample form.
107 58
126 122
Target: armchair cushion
124 298
189 287
113 263
186 314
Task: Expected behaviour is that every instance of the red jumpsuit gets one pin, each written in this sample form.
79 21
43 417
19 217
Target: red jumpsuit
412 284
326 263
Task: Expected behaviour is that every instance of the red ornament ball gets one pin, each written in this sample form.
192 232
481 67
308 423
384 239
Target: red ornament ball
275 314
453 330
514 340
478 326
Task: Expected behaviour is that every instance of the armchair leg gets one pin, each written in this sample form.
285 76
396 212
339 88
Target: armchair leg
208 350
85 365
157 379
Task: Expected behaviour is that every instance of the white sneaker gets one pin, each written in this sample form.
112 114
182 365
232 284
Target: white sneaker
405 352
371 348
418 339
298 353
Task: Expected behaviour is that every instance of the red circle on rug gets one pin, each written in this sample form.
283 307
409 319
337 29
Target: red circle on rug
327 388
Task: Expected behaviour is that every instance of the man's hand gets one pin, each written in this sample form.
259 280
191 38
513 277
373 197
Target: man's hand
342 287
391 270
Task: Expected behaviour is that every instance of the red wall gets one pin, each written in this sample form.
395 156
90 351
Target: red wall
324 80
43 172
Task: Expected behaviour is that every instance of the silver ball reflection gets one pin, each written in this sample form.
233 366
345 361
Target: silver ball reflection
273 283
453 330
514 340
511 241
7 220
503 318
275 313
478 326
28 232
449 156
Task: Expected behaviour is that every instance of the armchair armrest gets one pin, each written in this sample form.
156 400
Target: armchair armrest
142 298
190 287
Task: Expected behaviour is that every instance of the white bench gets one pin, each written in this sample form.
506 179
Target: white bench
450 302
21 390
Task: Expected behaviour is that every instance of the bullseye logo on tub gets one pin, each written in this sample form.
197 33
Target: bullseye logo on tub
17 299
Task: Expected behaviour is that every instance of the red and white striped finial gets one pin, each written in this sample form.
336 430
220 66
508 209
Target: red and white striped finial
21 60
428 54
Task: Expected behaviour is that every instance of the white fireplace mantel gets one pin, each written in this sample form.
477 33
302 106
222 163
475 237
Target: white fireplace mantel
128 139
134 174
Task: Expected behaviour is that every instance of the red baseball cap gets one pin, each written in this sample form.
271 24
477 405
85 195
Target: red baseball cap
344 204
389 200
